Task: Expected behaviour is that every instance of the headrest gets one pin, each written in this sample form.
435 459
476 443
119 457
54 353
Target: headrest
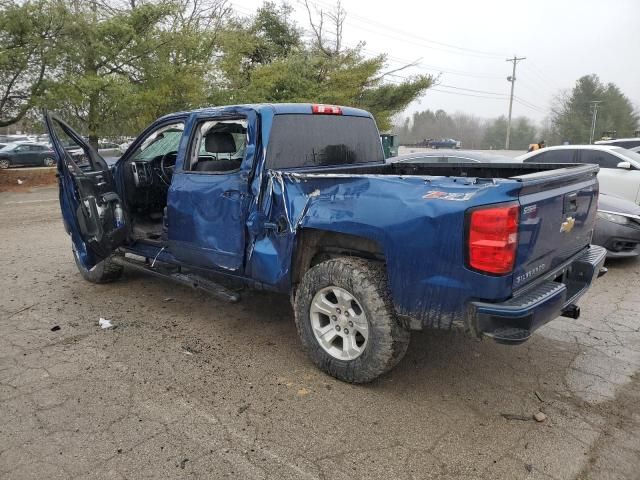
219 142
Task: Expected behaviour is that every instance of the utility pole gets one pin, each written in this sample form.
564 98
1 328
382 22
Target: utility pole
511 79
594 117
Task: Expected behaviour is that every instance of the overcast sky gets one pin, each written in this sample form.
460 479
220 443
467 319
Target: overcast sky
467 43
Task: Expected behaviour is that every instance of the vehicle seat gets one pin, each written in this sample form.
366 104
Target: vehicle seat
217 143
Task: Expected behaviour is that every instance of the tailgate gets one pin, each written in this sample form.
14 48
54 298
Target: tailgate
557 217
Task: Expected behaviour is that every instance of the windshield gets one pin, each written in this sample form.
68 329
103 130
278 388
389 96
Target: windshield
11 146
161 142
632 156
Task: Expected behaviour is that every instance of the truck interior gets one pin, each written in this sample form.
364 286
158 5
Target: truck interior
217 147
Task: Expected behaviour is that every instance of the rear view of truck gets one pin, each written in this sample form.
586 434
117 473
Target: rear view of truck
544 240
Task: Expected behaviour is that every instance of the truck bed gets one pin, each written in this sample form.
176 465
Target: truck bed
516 171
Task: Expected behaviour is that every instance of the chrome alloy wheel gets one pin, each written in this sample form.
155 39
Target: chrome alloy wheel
339 323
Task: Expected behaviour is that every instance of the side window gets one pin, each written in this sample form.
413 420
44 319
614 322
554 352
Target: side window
604 159
540 158
218 146
560 156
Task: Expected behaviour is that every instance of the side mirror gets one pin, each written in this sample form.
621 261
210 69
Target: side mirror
625 165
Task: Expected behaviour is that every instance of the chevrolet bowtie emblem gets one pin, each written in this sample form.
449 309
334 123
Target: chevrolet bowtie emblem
567 225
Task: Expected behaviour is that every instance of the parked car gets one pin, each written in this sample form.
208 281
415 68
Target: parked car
13 138
26 154
298 199
109 149
444 143
2 145
618 226
619 168
635 149
620 142
450 156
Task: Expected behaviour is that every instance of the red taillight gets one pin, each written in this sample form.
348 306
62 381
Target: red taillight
493 239
326 109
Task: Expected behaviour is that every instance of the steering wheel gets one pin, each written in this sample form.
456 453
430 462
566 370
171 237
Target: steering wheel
166 166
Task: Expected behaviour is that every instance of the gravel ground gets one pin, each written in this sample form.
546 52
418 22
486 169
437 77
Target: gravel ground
186 386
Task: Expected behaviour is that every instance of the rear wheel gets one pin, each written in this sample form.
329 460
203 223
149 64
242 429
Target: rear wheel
104 272
346 321
4 163
48 162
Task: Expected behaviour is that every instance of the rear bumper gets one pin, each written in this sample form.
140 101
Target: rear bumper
514 320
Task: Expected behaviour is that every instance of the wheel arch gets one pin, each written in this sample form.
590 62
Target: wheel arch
314 246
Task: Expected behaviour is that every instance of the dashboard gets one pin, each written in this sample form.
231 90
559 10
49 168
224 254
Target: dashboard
148 181
153 172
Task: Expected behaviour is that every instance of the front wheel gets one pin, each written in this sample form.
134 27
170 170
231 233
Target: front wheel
346 321
4 163
104 272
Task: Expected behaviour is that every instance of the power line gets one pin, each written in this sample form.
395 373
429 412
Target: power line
529 105
550 85
383 29
471 90
435 89
427 67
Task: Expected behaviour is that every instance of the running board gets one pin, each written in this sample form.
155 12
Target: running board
187 279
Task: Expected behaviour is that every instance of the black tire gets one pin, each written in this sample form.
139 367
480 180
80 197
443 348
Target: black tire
4 163
104 272
366 281
48 162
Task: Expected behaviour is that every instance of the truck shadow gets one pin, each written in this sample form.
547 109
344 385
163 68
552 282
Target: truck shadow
437 362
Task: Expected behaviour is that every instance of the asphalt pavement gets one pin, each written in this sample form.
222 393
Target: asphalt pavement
186 386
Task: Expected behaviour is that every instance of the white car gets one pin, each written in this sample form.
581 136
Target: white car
619 168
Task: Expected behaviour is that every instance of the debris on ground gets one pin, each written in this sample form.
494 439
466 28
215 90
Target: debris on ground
55 328
104 323
22 310
243 408
20 182
169 299
528 467
539 396
183 463
514 416
539 417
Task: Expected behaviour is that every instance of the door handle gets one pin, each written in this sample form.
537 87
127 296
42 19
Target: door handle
233 194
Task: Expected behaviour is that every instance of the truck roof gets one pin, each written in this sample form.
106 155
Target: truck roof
274 108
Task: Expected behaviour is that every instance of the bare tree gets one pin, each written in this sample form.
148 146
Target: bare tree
330 43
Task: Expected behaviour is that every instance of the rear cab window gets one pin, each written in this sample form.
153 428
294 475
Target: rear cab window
302 140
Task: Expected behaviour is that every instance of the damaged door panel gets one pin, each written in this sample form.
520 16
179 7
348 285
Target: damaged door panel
92 210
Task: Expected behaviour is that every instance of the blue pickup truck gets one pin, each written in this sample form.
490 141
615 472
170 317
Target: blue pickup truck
297 199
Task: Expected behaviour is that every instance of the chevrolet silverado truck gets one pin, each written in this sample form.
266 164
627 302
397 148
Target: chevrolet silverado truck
297 199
